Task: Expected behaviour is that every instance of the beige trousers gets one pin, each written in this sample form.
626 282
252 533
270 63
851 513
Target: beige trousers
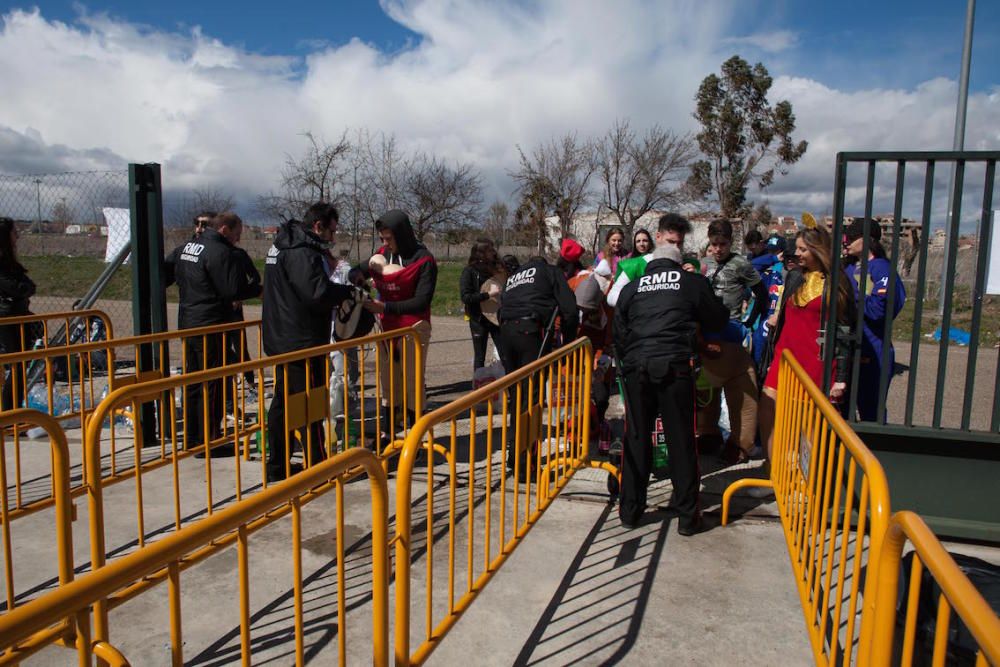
733 372
391 391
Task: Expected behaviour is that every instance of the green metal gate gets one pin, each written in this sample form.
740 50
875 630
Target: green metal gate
938 425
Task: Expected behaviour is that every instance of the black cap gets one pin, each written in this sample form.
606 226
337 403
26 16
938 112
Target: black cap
856 230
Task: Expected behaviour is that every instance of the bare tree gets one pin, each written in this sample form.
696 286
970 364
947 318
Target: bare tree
440 196
496 224
557 175
62 213
536 202
199 200
642 174
316 176
381 170
436 195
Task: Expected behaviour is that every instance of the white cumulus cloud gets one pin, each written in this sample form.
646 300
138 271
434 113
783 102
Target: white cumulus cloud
481 78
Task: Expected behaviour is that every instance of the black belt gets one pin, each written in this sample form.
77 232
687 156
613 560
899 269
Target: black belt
527 318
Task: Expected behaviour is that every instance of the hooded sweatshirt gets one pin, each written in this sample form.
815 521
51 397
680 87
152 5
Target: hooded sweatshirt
298 296
408 293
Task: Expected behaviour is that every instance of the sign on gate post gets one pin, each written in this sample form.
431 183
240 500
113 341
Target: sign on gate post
993 278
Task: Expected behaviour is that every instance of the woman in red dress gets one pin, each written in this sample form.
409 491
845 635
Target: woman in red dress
799 321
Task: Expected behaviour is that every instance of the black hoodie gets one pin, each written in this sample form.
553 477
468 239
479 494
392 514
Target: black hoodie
407 295
298 296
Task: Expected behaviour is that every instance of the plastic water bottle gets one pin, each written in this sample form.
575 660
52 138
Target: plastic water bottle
38 398
119 420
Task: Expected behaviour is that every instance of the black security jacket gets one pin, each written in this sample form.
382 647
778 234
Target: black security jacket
657 316
252 277
211 277
298 296
535 291
16 288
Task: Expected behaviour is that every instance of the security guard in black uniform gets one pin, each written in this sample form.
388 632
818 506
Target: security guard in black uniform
211 278
530 299
298 306
655 328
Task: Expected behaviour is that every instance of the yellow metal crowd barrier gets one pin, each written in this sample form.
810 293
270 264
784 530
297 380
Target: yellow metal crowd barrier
45 327
64 613
542 412
162 508
63 519
91 370
833 500
956 592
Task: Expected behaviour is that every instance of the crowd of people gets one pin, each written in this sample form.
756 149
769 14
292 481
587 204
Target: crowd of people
678 329
684 329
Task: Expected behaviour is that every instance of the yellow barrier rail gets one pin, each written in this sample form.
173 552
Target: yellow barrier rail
543 414
63 519
87 381
44 324
64 612
307 412
957 593
833 500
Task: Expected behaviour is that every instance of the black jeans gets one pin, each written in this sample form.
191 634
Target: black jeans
520 344
482 331
13 374
666 389
277 437
201 353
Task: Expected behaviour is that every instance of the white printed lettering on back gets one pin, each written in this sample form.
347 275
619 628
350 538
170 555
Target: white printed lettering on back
272 256
664 280
191 252
525 277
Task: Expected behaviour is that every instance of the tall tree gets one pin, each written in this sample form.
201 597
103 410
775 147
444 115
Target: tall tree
557 174
641 174
744 139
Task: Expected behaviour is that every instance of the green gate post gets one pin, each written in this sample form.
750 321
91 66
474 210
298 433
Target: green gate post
149 305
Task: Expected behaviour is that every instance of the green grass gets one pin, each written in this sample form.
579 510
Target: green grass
446 298
73 276
961 316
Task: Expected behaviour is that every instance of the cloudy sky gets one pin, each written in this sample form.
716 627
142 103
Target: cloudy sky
220 92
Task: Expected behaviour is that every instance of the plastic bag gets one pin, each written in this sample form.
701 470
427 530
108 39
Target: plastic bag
487 374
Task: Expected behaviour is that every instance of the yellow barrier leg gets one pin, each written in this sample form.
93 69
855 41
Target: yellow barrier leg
736 486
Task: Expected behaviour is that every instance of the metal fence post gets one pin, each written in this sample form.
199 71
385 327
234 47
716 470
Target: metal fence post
149 306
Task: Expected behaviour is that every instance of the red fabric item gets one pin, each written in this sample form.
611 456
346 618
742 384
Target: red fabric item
799 334
400 286
571 251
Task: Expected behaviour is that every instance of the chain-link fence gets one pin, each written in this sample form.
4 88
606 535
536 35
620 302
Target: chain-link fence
71 227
